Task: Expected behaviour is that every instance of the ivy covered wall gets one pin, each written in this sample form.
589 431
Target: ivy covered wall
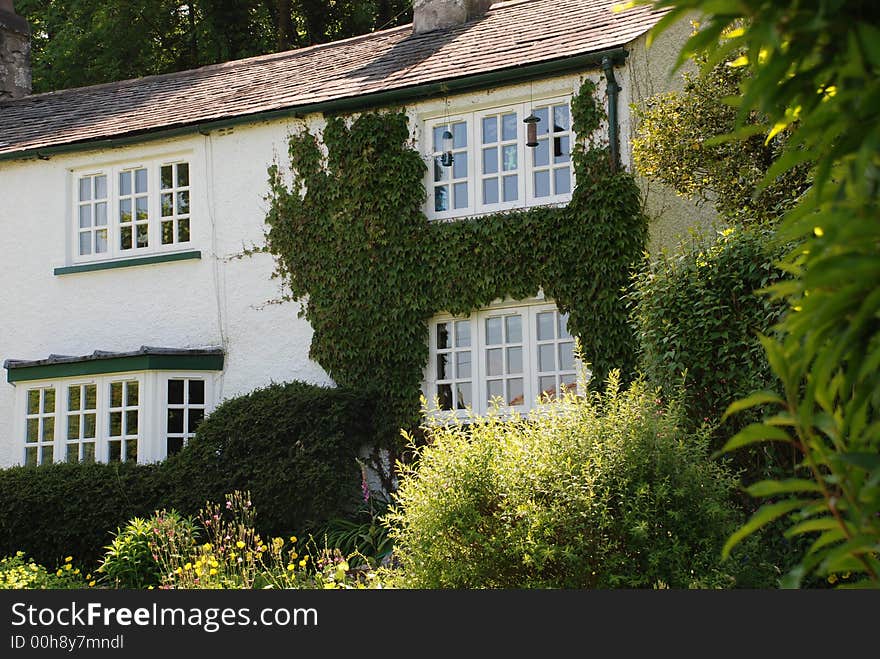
351 239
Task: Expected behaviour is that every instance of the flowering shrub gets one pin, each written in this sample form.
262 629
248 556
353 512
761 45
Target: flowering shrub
20 573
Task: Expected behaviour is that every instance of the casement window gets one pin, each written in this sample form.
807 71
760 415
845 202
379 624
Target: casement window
512 356
127 417
132 209
492 169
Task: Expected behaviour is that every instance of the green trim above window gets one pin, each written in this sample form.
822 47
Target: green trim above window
129 263
210 362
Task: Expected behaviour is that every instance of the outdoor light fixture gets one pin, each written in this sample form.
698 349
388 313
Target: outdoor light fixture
531 123
446 159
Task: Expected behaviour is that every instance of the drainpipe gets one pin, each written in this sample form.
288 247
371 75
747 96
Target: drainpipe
613 88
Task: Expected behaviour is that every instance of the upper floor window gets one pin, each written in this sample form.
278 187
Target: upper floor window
492 169
131 209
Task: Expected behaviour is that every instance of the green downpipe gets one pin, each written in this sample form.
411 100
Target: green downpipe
613 88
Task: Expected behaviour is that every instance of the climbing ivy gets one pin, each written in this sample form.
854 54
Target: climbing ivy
350 238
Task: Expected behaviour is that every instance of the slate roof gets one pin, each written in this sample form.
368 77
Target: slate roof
509 35
105 354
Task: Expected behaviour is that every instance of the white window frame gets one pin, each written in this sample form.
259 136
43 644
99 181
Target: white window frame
164 433
152 410
114 198
529 310
525 160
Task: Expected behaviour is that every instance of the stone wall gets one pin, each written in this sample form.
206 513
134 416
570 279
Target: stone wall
15 56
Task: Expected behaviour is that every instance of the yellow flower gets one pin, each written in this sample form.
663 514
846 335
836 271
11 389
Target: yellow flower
239 544
818 231
261 548
290 568
68 559
213 571
188 566
68 567
206 546
91 584
76 571
293 555
59 573
232 554
293 538
89 576
215 564
302 563
179 570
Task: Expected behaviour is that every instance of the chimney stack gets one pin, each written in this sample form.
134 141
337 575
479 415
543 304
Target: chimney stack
431 15
15 53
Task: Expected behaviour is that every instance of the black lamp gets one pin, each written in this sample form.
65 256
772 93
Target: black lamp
531 123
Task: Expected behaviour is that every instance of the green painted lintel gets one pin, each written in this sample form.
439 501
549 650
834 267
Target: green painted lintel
363 102
129 263
116 365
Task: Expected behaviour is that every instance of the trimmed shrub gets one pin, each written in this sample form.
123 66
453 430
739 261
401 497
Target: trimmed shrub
294 446
697 319
604 492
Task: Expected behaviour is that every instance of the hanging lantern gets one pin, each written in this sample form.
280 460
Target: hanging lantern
531 123
446 159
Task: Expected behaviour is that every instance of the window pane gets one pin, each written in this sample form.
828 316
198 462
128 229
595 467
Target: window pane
490 191
442 365
125 241
562 181
73 427
493 331
460 166
440 172
88 450
463 334
546 321
490 160
197 392
542 184
47 454
561 149
490 130
194 419
515 392
85 188
562 323
115 451
460 191
441 198
463 364
174 445
33 430
543 122
125 183
167 204
182 202
547 385
125 210
183 231
140 180
508 158
183 174
511 188
115 424
85 243
463 391
131 422
131 450
166 177
566 356
175 392
100 187
568 383
33 404
91 396
495 389
48 401
459 135
101 241
30 456
541 157
140 205
443 336
72 453
73 398
167 233
494 363
142 238
508 126
513 326
547 358
444 396
85 216
560 117
89 426
101 214
175 421
514 360
48 428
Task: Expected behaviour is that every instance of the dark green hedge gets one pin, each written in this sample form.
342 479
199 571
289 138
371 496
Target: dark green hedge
292 445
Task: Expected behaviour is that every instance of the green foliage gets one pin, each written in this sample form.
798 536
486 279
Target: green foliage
129 559
602 492
18 572
815 70
677 144
697 320
294 445
350 237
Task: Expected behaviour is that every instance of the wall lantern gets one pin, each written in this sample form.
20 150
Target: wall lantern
531 123
446 159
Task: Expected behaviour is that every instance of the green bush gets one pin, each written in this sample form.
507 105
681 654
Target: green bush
697 321
294 446
604 492
19 572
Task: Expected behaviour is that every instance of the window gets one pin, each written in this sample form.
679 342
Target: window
131 417
492 168
185 410
130 210
514 356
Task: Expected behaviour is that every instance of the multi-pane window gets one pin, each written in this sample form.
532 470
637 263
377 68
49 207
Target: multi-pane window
82 425
123 418
174 200
39 442
453 364
133 209
492 169
186 409
514 357
91 215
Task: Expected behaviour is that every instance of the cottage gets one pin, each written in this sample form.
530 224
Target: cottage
127 312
